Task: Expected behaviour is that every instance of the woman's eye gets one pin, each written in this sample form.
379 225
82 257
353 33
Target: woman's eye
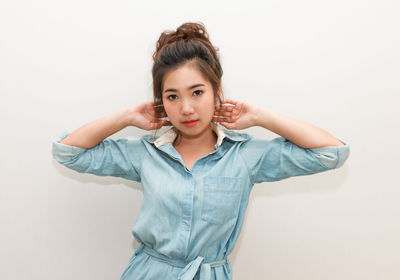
197 92
172 97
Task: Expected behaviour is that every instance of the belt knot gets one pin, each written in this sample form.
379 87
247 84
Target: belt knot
190 269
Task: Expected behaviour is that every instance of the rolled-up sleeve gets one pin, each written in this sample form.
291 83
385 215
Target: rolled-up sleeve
277 159
119 158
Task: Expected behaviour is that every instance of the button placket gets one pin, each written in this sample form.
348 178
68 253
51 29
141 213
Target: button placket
187 212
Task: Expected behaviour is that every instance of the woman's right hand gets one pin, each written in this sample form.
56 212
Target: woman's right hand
143 116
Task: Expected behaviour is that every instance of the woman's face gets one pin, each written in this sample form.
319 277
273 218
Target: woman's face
188 100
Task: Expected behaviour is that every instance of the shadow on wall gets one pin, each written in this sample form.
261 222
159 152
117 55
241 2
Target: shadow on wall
324 182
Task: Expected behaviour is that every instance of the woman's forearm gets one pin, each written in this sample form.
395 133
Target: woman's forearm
298 132
91 134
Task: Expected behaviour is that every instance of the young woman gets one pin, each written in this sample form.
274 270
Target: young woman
196 176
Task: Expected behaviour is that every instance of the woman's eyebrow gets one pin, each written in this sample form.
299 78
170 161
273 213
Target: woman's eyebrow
191 87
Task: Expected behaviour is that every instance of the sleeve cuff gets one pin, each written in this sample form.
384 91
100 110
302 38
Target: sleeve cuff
64 153
333 156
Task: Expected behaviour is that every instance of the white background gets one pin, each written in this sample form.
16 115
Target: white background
334 64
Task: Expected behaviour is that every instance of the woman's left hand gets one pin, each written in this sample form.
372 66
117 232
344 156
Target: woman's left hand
236 114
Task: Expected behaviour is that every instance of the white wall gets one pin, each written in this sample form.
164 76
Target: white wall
331 63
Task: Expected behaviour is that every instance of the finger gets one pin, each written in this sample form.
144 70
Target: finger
155 120
159 124
226 120
222 113
230 120
228 125
224 108
230 101
218 119
237 111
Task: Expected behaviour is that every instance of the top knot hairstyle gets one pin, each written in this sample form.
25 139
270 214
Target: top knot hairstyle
190 43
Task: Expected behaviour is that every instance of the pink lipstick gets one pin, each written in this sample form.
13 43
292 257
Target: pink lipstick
190 123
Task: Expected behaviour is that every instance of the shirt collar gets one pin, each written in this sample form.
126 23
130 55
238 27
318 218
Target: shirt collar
222 133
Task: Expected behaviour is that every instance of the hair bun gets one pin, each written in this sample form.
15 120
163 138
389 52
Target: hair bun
187 31
191 30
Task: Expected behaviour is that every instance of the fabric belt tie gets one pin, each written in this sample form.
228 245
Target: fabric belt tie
190 269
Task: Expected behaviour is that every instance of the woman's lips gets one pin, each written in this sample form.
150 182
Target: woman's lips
190 123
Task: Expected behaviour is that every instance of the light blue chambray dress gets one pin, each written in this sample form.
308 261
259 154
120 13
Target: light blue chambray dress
190 220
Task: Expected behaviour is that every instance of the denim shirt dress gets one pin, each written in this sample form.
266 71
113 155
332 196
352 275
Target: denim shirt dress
190 220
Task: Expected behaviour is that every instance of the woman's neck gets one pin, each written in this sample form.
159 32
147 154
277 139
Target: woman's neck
207 139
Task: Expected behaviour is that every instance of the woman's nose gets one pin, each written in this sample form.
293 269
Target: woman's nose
187 107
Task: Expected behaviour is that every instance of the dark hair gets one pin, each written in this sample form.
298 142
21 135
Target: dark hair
190 43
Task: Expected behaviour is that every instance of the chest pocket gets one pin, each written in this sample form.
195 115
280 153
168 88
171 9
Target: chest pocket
221 199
